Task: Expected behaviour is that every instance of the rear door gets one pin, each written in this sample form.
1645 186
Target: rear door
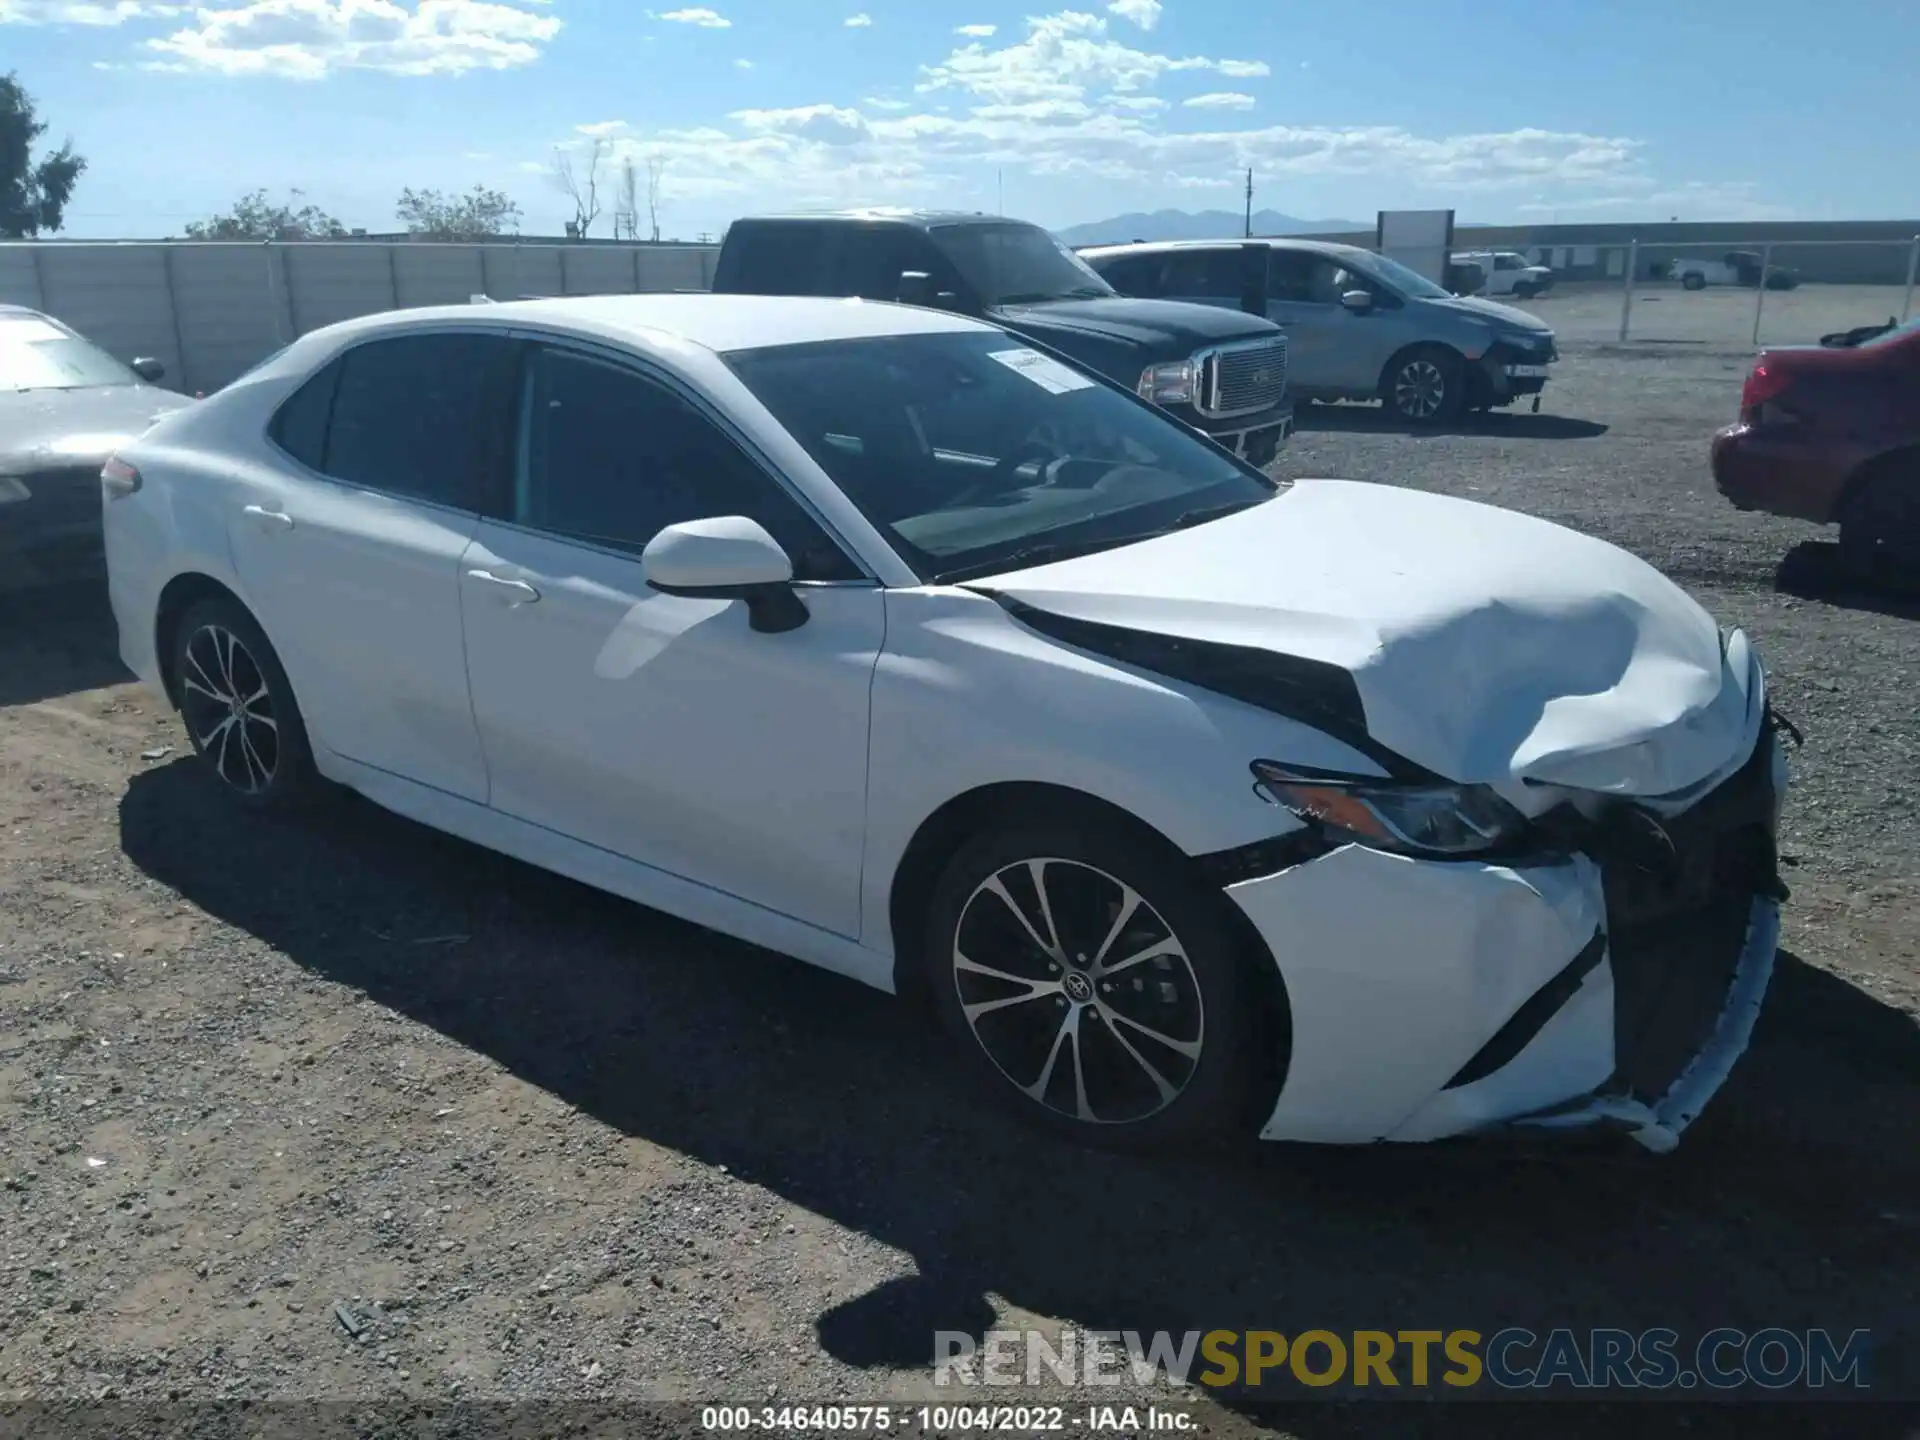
349 550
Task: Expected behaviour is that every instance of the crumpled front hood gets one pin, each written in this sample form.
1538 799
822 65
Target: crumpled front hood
43 428
1508 316
1487 646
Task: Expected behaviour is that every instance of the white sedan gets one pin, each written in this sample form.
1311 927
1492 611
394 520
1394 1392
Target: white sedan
1189 799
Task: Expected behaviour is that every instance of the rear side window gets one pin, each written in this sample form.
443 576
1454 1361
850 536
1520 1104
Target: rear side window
300 425
1204 274
778 259
1132 274
422 416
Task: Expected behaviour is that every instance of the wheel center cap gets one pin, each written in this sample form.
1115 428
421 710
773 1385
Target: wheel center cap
1078 987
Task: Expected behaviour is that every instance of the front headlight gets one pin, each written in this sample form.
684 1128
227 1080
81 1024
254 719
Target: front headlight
1433 820
1169 384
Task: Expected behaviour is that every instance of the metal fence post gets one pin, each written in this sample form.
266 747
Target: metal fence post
40 276
1760 294
636 269
1626 290
173 312
1913 268
393 274
273 292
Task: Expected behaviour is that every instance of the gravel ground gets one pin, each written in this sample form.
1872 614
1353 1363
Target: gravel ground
265 1083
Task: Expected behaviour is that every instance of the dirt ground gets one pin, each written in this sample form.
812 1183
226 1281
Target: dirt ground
265 1082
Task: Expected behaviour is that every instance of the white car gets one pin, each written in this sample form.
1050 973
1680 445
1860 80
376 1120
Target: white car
1508 273
1187 797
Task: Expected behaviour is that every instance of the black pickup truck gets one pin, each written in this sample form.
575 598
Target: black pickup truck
1221 371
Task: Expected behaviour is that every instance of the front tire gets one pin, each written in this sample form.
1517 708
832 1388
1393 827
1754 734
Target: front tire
1427 386
239 708
1088 984
1693 281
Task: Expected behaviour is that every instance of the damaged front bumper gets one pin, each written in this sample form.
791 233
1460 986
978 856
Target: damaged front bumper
1437 998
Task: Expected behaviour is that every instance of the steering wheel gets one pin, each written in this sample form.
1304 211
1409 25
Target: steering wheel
1003 471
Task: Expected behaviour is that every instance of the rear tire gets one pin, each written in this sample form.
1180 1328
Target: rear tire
239 709
1426 385
1693 281
1089 985
1880 526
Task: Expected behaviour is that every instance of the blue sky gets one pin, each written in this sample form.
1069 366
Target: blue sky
1604 109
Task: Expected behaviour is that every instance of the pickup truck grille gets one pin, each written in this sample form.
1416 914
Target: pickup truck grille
1240 379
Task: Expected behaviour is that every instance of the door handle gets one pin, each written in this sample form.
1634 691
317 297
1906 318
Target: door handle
527 594
268 519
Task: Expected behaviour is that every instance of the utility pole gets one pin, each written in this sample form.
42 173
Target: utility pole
1248 231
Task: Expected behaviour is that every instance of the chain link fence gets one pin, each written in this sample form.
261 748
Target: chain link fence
1734 296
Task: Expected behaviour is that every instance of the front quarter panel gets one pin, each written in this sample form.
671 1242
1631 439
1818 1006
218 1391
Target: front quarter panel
966 697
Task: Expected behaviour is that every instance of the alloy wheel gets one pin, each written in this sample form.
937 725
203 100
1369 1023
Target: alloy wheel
228 708
1078 991
1419 390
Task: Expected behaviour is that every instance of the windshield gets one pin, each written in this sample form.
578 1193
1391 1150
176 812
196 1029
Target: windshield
1899 332
974 453
1392 273
1017 264
36 354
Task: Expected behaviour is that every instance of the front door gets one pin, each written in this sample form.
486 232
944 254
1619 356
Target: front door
661 728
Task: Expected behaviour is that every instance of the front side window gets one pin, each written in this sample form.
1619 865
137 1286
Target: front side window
1017 264
1204 274
974 453
609 457
416 416
36 354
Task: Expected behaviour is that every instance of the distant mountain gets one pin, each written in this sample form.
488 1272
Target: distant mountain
1206 225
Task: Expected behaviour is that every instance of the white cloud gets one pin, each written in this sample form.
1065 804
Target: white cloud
83 12
977 32
824 124
309 39
743 64
858 22
1061 56
1067 103
706 19
601 127
1144 13
1220 100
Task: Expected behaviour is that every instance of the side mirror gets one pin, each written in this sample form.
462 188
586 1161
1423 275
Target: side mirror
916 288
726 558
148 369
1360 302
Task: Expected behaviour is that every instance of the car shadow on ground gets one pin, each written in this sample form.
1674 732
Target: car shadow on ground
57 640
1792 1204
1497 424
1816 570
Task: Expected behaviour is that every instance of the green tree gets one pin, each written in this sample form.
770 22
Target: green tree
255 217
479 214
32 196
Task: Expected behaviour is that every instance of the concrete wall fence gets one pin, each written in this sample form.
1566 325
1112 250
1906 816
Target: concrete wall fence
208 311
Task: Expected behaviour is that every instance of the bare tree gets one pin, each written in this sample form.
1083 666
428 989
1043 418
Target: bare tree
583 189
656 167
626 215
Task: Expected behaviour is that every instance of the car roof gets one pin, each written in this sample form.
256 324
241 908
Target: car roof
1143 247
714 322
888 215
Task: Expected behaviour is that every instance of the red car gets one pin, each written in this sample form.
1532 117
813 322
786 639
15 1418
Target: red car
1831 433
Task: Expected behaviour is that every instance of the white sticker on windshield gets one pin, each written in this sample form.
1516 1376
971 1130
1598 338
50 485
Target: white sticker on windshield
29 330
1043 370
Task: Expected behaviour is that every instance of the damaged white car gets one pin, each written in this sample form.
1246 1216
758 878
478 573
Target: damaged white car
1188 799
